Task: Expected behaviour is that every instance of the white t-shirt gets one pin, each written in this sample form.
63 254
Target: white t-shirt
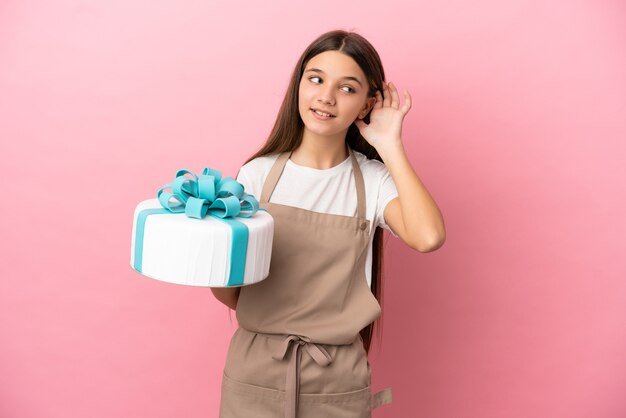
331 191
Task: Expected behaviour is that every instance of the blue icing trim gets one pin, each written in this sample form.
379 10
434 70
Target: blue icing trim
141 224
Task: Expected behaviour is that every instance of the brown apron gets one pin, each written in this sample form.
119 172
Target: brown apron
316 300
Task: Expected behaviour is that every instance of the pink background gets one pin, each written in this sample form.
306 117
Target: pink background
517 129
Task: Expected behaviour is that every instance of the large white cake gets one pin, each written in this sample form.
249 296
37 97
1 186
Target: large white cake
175 248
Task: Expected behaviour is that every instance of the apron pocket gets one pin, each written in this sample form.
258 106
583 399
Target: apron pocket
354 404
240 399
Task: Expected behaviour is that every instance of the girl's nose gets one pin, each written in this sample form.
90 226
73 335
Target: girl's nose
326 96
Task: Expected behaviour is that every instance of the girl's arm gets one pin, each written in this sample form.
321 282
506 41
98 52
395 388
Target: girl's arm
227 295
413 215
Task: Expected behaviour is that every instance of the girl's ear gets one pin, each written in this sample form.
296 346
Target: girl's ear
371 101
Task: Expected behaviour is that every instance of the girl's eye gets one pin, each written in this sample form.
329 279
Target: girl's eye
317 80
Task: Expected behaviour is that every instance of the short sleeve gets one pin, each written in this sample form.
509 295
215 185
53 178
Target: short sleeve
386 194
244 179
252 174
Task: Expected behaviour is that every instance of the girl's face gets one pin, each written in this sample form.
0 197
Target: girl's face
332 94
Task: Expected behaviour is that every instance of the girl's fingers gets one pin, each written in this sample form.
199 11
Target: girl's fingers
407 102
392 98
395 99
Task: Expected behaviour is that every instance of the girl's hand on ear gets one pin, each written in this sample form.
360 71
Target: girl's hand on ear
385 127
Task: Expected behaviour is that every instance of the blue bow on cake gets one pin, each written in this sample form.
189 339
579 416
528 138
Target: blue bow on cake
207 193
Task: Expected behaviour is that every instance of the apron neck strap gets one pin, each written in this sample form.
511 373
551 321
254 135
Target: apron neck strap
277 169
360 186
273 176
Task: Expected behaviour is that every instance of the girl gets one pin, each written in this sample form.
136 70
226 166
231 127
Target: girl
305 331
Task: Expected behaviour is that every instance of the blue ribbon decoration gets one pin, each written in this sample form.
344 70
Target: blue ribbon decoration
199 196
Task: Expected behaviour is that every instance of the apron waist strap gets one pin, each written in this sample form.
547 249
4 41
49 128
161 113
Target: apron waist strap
382 397
292 385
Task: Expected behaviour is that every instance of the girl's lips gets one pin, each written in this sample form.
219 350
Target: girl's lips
320 117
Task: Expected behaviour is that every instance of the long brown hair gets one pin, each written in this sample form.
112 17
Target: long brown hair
288 128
